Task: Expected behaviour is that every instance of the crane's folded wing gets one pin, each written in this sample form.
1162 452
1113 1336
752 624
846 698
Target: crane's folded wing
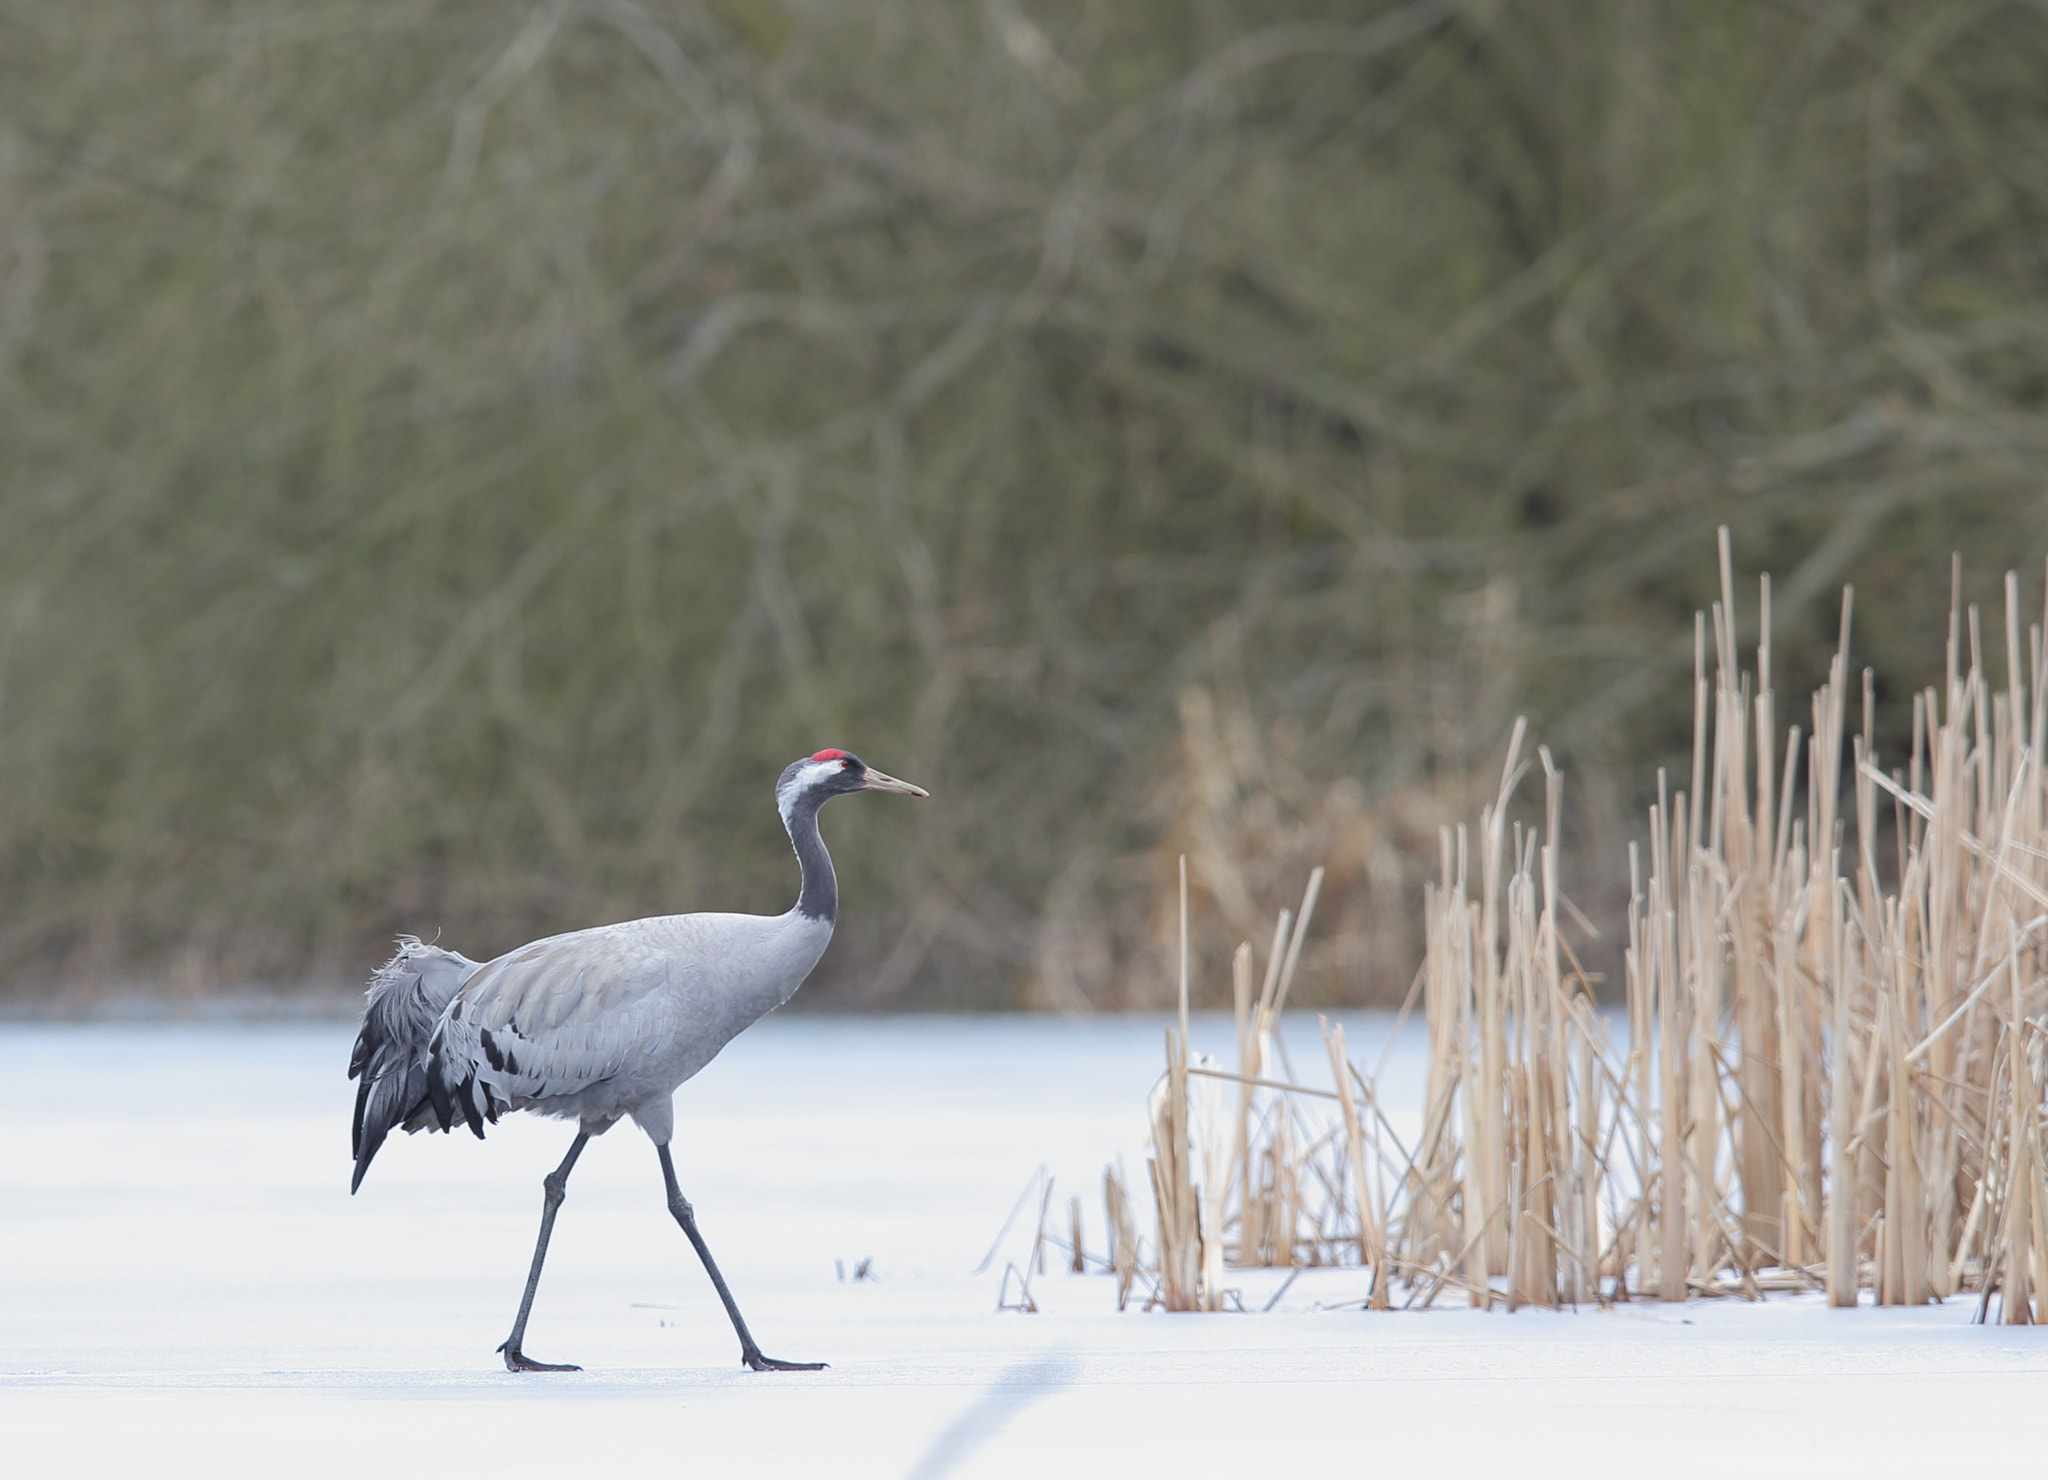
557 1017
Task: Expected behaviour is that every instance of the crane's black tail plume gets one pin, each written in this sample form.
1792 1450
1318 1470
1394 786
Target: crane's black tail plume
405 1001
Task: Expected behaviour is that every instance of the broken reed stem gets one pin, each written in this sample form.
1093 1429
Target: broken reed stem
1832 1070
1123 1233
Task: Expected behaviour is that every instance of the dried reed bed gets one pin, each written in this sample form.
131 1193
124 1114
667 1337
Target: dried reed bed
1827 1074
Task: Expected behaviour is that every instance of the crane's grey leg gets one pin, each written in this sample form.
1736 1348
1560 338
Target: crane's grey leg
554 1187
750 1351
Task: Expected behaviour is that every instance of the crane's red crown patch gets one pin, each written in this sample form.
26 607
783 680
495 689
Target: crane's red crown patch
831 755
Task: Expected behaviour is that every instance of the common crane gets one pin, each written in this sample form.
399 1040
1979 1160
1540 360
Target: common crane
597 1025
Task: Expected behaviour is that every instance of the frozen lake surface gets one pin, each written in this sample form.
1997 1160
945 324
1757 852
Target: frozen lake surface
186 1287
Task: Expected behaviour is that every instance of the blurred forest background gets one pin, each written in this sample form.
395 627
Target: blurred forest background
457 452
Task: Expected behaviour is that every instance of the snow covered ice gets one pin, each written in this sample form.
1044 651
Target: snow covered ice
187 1288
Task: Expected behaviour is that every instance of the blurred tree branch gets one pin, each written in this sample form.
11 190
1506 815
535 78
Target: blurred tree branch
457 453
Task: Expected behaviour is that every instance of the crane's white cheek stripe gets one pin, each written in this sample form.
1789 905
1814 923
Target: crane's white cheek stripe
787 793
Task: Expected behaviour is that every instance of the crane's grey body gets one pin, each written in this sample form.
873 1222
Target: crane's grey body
605 1023
598 1024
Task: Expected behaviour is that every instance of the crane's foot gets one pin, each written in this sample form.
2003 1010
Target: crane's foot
518 1361
753 1358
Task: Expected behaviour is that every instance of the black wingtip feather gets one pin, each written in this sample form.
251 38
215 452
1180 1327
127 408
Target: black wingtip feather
465 1096
355 1130
363 1160
438 1100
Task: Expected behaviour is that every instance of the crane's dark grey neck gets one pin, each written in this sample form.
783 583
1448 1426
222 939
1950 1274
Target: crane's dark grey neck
820 897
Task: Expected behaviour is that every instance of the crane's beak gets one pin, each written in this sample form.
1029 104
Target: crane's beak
876 781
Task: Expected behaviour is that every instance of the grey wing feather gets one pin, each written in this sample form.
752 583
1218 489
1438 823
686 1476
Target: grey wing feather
405 1000
551 1027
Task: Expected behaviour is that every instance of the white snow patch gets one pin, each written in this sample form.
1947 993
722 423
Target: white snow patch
186 1288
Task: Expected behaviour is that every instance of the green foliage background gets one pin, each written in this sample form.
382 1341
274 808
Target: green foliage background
457 452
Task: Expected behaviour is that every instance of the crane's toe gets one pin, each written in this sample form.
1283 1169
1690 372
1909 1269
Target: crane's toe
518 1361
760 1363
